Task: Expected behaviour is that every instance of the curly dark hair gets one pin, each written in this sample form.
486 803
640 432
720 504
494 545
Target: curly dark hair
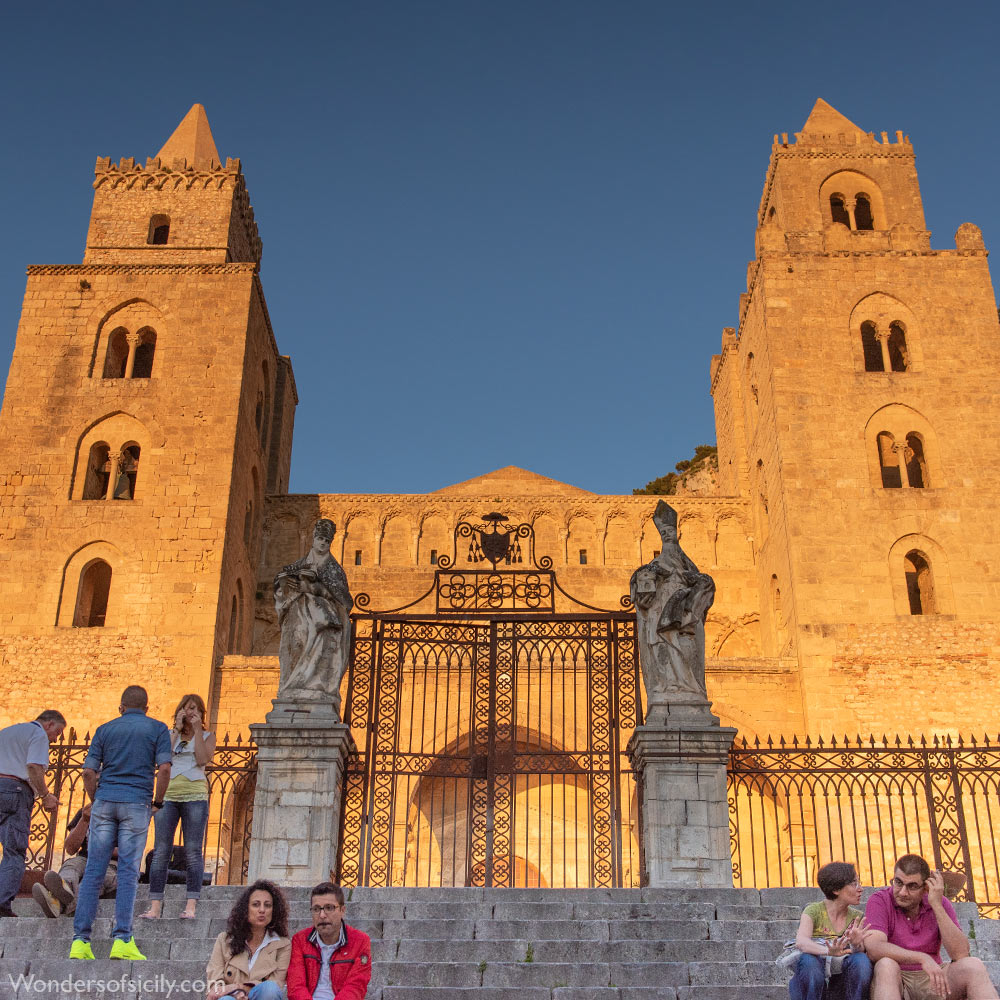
238 926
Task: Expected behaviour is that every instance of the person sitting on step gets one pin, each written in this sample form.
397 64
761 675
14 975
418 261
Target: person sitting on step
910 920
832 928
56 893
330 961
250 957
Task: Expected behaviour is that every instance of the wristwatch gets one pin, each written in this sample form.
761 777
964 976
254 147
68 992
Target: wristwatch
157 803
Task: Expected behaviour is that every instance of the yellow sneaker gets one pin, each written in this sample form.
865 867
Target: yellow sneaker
81 949
126 950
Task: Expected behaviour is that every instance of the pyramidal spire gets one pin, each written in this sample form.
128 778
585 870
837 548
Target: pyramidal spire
824 119
192 141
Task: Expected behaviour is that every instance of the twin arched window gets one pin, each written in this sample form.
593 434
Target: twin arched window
111 477
130 355
902 463
855 213
885 349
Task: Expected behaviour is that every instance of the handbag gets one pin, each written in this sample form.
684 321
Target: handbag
789 959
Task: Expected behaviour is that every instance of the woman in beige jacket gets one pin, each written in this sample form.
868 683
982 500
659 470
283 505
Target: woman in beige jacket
250 957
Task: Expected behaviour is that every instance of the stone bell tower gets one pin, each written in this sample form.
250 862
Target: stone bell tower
855 406
147 413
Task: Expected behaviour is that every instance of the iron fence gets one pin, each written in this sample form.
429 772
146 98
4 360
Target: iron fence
795 805
232 775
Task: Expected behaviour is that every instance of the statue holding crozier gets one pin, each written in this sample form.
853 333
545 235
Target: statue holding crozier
671 601
314 604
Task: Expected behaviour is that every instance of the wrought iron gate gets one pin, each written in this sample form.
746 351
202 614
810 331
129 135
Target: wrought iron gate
491 736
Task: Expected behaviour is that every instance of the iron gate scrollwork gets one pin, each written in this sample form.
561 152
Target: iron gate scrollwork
491 736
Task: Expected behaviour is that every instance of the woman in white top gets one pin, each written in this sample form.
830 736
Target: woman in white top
186 802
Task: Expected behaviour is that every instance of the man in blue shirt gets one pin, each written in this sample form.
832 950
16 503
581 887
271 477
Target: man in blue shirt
128 752
24 757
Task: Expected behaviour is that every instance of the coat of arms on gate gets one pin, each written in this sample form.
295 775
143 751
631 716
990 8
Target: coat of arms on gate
514 578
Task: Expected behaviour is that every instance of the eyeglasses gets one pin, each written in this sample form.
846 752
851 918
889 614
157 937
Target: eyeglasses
321 910
856 884
908 886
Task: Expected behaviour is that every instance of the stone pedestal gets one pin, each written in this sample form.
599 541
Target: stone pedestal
302 751
680 760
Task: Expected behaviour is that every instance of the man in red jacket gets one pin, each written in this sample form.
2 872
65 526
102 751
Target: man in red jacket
330 961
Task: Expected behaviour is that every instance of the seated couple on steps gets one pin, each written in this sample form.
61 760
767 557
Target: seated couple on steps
893 948
254 959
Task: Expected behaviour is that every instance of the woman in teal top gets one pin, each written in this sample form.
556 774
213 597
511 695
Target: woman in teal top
830 928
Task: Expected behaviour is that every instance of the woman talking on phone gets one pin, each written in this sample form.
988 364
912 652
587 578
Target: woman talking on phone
185 802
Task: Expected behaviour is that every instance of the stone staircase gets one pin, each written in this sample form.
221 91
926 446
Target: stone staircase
460 944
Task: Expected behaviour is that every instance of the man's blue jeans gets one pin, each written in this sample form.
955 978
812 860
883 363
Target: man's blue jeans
809 981
16 800
112 824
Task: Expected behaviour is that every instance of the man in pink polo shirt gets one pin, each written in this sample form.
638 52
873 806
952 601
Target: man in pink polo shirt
909 921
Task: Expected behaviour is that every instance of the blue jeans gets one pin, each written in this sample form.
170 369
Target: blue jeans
112 824
266 991
193 817
809 981
16 800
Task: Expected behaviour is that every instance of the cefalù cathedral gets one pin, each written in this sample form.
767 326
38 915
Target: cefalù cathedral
494 688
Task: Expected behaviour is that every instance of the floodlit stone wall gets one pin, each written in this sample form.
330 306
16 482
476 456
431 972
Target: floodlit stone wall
162 354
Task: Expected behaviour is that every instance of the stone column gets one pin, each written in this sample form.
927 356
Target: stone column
904 474
114 470
850 204
883 338
133 343
680 762
302 753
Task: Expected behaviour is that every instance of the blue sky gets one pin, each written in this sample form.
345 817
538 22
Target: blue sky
494 232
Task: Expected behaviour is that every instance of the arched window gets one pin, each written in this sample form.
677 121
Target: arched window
92 595
838 210
128 471
248 523
159 230
898 359
95 485
919 583
863 218
239 616
889 462
142 364
872 348
916 467
231 645
116 359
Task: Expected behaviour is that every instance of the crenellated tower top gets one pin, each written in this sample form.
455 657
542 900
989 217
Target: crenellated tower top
182 207
834 173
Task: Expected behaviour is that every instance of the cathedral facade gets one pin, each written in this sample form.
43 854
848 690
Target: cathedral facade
146 430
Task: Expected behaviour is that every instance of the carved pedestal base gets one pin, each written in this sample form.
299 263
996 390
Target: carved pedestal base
301 758
681 762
